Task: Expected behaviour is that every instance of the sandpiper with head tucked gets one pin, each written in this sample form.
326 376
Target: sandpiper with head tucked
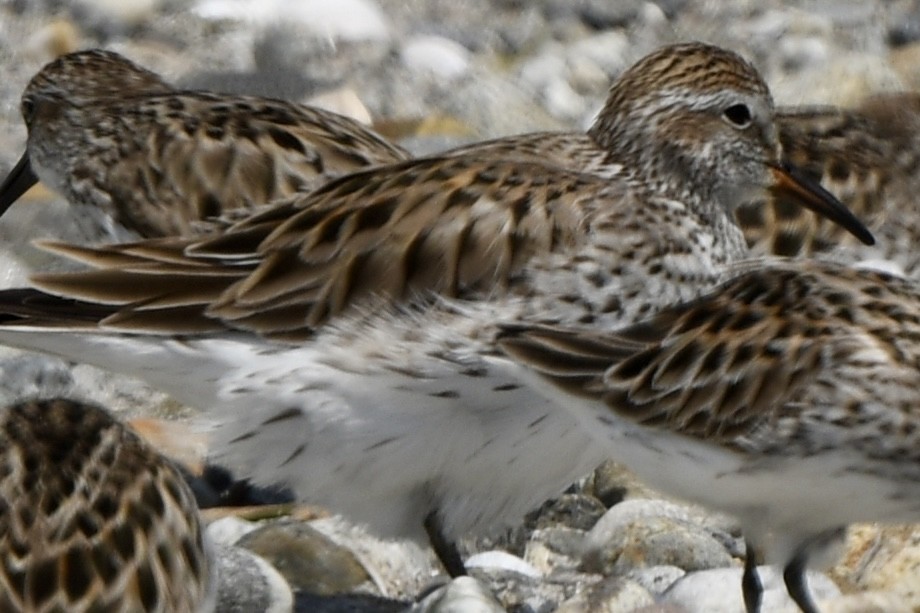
339 337
92 518
786 397
140 158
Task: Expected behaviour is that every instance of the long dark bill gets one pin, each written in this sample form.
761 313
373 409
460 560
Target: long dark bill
792 183
20 179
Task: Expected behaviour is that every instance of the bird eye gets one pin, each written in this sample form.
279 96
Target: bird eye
738 115
28 108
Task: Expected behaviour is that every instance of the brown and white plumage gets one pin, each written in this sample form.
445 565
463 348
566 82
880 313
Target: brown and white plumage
786 396
92 518
390 281
138 155
867 157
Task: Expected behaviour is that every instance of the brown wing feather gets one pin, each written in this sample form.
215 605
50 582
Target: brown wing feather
715 368
211 154
449 226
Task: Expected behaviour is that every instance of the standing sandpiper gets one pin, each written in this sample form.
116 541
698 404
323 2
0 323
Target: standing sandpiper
338 338
787 397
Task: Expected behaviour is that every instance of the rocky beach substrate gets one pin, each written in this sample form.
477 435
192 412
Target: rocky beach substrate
433 74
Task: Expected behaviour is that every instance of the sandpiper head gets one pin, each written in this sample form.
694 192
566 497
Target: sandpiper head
696 123
83 75
52 104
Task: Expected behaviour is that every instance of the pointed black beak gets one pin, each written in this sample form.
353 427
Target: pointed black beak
20 179
792 183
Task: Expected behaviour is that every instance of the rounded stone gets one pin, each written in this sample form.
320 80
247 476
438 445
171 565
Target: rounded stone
248 584
502 560
308 559
656 579
653 542
611 595
719 590
462 595
437 55
630 511
578 511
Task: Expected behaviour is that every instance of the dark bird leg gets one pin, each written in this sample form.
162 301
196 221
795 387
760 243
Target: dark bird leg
796 584
794 573
751 586
444 548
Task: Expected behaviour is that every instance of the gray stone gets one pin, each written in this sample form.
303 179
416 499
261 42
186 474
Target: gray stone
309 560
656 541
578 511
630 511
517 592
612 595
611 483
31 375
656 579
555 547
248 584
398 568
462 595
442 57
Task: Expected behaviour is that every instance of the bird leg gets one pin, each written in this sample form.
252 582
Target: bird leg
751 586
444 548
794 573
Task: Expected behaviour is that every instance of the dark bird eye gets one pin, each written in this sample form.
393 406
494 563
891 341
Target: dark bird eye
27 109
739 115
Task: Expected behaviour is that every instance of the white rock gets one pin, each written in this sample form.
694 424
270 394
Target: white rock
344 101
652 15
462 595
719 590
612 595
544 68
804 51
228 530
504 561
564 102
436 54
608 50
246 582
349 20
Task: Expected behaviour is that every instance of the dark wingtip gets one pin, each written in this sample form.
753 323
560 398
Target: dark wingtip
18 182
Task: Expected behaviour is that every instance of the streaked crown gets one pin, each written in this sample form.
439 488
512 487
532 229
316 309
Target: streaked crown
691 120
93 73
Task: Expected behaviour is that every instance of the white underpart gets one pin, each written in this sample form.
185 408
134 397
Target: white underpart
94 220
781 500
381 447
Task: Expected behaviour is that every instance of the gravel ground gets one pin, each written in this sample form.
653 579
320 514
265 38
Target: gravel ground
435 73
